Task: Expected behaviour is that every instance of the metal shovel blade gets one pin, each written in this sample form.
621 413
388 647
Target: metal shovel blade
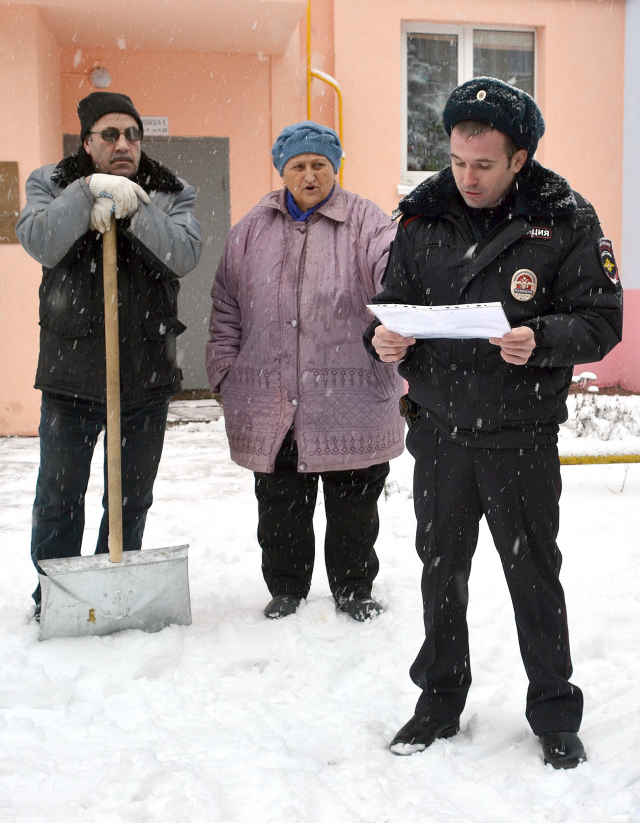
146 590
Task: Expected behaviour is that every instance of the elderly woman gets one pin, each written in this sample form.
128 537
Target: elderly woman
303 399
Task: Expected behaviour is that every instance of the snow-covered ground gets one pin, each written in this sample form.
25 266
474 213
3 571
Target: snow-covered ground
242 720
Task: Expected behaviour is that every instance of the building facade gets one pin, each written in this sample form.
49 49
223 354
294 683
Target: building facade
226 78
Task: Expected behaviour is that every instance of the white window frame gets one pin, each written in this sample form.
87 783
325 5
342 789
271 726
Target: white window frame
410 179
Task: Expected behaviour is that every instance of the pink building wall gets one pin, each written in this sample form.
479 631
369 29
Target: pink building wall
249 98
216 95
583 141
30 135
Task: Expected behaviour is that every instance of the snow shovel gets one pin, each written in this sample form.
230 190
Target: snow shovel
102 594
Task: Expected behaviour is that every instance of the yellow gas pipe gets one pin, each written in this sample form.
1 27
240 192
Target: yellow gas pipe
329 80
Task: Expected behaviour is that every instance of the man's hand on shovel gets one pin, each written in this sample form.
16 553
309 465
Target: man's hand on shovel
114 195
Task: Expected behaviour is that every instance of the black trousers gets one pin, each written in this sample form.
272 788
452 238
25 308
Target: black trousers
518 491
286 503
68 432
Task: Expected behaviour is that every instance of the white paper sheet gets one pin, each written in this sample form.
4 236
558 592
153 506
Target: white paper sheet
469 320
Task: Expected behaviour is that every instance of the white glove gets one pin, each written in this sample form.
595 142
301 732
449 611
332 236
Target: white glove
122 192
101 211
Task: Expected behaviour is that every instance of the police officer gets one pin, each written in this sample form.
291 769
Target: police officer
496 226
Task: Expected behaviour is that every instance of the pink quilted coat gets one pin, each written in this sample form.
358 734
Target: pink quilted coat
285 348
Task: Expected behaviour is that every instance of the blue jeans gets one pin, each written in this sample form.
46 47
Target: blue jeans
69 430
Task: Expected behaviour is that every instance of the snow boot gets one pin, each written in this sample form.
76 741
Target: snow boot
360 609
563 750
282 605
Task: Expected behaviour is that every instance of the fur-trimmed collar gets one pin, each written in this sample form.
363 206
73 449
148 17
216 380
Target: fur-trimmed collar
540 192
151 175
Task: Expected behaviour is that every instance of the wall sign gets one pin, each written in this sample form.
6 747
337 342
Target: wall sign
155 125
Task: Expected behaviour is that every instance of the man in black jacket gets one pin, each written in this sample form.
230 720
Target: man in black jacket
484 414
68 207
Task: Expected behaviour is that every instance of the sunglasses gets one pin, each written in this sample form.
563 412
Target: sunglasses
112 135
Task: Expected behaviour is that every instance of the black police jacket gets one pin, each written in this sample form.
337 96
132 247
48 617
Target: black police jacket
156 246
549 266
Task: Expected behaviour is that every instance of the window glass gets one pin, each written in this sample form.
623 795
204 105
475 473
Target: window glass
507 55
432 74
437 60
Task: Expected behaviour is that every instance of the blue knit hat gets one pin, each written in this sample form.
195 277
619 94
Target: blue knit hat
504 107
307 138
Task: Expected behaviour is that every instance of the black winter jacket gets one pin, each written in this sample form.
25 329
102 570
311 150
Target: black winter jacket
464 386
156 245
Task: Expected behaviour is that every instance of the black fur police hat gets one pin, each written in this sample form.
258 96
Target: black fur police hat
98 103
504 107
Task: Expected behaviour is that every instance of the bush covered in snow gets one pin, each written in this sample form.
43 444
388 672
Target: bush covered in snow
600 417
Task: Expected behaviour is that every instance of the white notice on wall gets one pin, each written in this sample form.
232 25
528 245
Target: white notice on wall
155 125
468 320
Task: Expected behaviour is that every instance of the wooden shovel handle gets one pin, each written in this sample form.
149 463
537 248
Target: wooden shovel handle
112 347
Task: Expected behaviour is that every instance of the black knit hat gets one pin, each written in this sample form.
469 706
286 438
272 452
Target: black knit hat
504 107
99 103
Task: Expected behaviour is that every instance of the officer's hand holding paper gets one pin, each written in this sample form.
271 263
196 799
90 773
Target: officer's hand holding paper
402 325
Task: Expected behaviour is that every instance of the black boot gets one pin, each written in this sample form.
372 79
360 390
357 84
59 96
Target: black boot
282 605
563 750
419 733
360 609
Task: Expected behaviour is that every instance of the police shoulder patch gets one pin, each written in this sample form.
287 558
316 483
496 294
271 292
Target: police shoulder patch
608 261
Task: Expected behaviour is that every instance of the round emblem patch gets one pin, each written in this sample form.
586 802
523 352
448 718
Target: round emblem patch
524 284
481 94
